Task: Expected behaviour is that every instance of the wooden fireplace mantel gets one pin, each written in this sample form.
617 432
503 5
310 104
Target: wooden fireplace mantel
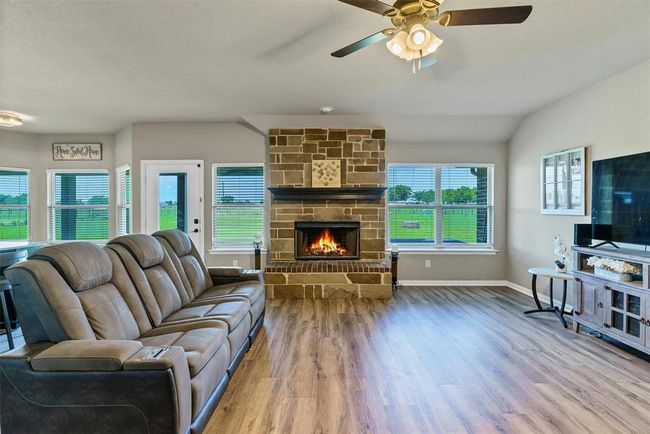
343 193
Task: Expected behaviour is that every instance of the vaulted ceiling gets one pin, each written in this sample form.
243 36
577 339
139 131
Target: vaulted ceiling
95 66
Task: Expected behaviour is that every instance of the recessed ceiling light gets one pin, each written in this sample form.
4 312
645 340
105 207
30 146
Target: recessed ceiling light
326 109
10 120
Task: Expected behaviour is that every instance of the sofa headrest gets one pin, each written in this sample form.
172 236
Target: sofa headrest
178 240
144 248
83 265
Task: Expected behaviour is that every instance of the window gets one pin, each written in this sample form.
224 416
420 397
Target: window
237 204
124 215
77 203
14 204
440 205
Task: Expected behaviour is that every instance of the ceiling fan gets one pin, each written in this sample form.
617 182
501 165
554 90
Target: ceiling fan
409 37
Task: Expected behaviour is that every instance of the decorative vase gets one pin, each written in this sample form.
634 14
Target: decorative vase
613 275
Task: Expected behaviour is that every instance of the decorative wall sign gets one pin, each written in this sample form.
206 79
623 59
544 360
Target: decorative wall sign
563 183
77 151
326 173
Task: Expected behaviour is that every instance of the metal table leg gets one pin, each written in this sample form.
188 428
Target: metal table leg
536 298
560 311
7 321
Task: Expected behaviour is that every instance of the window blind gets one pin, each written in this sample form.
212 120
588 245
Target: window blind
466 205
78 206
237 205
124 201
411 199
440 204
14 205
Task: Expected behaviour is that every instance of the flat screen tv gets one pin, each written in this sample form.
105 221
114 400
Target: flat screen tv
620 198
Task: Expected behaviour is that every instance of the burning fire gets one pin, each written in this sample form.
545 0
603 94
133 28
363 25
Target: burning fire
326 245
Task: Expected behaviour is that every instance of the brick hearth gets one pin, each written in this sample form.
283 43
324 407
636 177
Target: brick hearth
361 151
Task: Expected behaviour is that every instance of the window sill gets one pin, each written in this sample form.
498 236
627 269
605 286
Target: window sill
446 251
233 251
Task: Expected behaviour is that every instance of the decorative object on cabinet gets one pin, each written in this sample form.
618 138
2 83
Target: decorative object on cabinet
613 269
563 183
605 304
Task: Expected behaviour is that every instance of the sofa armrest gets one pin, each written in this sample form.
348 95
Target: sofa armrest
221 275
103 355
225 271
145 395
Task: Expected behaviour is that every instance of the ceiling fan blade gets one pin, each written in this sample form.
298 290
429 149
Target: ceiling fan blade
371 5
474 17
428 61
372 39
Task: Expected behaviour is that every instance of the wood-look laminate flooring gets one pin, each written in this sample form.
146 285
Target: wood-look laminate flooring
431 360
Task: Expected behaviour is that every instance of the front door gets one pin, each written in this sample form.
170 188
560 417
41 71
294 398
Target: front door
172 197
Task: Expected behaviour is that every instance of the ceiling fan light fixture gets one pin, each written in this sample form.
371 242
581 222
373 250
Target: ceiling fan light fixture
434 44
397 45
10 120
418 37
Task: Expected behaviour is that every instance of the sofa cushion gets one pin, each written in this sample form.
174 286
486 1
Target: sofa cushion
144 248
108 314
200 341
250 289
83 265
229 311
178 241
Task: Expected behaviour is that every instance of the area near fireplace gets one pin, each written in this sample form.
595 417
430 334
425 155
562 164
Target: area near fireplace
330 242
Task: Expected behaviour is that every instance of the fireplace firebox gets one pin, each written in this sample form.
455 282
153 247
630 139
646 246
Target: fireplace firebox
327 240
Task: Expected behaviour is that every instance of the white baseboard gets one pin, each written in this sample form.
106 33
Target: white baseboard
519 288
542 297
454 282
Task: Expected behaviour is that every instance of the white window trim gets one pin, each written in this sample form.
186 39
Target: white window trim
439 247
12 243
49 177
119 199
218 249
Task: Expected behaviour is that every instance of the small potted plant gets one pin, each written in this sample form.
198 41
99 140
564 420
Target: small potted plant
613 269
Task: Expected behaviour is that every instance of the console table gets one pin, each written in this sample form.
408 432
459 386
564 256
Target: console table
551 274
618 309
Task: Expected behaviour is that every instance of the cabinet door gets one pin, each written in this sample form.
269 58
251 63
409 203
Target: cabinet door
624 312
588 296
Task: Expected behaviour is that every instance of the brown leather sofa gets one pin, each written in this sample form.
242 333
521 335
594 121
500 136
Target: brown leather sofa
137 336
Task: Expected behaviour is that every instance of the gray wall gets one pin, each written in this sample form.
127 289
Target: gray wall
209 141
612 118
454 266
34 151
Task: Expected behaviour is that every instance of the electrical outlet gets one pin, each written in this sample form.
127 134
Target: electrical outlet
235 263
427 263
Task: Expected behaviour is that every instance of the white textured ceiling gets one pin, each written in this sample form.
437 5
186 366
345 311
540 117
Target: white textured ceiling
94 66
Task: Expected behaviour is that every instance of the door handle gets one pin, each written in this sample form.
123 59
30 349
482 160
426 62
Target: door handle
196 231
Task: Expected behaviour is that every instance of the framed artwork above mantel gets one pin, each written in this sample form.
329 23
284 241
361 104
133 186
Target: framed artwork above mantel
562 182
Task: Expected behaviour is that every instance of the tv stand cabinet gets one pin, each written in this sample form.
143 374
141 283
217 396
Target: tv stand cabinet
619 310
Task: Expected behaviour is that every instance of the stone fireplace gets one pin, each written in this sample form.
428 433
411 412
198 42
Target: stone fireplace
327 242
